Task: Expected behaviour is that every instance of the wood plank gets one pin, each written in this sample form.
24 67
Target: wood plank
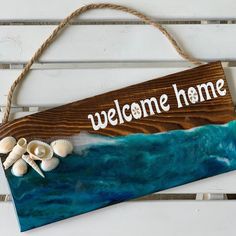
162 9
77 84
117 43
72 118
138 218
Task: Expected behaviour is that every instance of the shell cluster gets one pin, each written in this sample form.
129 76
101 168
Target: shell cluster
22 155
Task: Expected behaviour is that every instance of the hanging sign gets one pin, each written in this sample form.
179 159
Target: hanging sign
120 145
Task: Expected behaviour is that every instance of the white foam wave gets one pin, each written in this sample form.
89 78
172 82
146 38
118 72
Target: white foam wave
84 139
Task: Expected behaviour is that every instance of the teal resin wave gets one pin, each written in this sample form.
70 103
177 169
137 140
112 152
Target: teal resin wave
122 168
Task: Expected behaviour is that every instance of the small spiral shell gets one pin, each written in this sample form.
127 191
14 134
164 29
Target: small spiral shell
33 164
16 153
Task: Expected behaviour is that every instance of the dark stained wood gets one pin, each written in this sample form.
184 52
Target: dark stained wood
71 118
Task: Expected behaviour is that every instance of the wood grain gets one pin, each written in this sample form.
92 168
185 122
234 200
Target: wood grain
71 119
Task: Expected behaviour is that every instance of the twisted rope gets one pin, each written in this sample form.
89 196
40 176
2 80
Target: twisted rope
67 21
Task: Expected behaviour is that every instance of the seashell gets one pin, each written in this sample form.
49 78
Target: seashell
62 147
39 150
49 165
16 153
7 144
33 164
19 168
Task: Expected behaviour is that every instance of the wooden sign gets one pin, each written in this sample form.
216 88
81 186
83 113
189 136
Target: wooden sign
120 145
179 101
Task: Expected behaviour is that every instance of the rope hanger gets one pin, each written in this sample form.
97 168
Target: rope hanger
64 23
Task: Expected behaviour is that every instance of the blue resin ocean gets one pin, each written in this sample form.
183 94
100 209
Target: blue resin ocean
109 170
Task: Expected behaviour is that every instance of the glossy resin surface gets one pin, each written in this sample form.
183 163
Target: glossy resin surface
105 170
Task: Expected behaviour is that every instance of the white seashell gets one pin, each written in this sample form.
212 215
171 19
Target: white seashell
16 153
49 165
39 150
62 147
7 144
33 164
19 168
